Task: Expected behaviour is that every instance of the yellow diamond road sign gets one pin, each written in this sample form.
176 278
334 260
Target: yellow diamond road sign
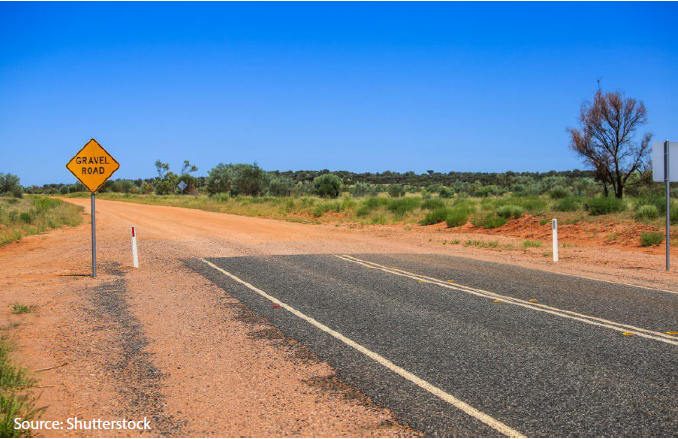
92 165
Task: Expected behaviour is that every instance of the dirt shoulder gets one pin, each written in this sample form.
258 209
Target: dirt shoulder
163 342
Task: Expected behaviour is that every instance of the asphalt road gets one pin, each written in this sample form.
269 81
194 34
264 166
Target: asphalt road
500 351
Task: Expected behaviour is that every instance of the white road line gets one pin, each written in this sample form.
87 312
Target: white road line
483 417
597 321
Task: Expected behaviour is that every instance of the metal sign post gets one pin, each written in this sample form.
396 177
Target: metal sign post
94 239
667 179
93 165
665 173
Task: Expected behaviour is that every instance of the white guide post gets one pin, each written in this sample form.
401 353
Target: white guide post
555 240
135 254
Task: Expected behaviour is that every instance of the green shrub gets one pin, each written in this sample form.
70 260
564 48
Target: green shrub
535 206
510 211
26 217
488 220
655 199
674 215
434 217
375 202
457 217
433 203
569 204
647 212
401 206
327 185
559 192
605 205
395 190
363 211
446 192
651 238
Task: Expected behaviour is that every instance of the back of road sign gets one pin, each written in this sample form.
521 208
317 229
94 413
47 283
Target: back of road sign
92 165
658 161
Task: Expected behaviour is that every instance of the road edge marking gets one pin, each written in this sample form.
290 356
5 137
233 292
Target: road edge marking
425 385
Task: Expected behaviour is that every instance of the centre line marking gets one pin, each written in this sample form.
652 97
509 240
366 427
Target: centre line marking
596 321
457 403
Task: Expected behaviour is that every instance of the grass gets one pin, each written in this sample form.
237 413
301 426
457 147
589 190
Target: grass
648 239
34 214
16 400
17 308
528 244
482 244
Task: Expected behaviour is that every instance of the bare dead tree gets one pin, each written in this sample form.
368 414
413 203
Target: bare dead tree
606 138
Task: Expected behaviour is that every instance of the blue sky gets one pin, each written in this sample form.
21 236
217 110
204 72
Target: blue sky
351 86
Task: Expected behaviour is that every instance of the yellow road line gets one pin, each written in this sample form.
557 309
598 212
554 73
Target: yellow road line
461 405
597 321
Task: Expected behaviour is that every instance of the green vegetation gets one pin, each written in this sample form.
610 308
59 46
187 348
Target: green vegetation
647 212
651 238
569 204
18 308
434 217
457 217
510 211
34 214
604 205
16 400
528 244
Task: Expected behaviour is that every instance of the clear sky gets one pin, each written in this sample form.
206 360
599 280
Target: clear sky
342 86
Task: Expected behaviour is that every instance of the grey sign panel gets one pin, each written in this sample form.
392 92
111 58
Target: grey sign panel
182 185
658 161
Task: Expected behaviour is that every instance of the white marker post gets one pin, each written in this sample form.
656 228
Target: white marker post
555 240
135 254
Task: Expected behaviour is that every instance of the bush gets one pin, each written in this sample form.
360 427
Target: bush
488 220
559 192
327 185
655 199
280 187
510 211
26 217
17 192
535 206
401 206
651 238
674 215
569 204
361 190
433 203
434 217
647 212
446 192
147 188
605 205
395 190
457 217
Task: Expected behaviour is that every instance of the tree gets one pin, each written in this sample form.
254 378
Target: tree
161 168
327 185
606 135
8 182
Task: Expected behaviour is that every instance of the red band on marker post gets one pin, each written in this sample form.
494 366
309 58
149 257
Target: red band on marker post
133 235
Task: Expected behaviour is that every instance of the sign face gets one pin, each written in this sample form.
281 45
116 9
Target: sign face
92 165
658 161
182 185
